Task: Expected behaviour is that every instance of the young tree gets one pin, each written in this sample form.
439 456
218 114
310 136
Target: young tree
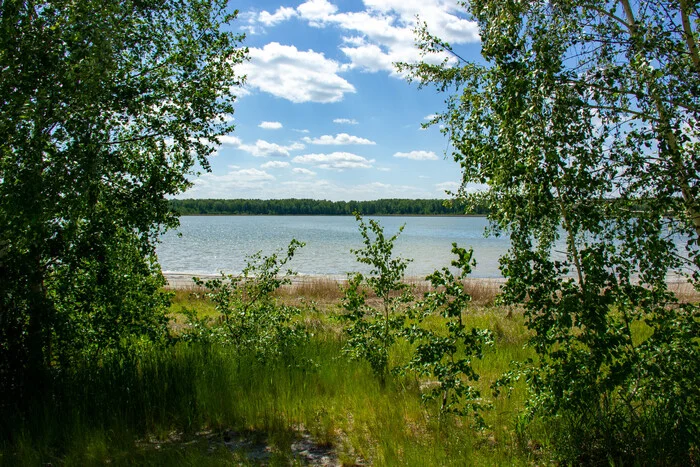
447 354
106 108
373 330
252 319
584 125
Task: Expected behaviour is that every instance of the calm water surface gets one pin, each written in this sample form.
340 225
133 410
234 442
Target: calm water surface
209 244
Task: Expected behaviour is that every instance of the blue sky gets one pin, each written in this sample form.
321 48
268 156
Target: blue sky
324 113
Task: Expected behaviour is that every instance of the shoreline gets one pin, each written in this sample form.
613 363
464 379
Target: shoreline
183 280
326 215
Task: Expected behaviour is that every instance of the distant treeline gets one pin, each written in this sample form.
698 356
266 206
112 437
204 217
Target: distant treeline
306 207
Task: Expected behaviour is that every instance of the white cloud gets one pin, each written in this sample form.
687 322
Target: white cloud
230 140
225 118
295 75
431 117
325 189
335 161
259 185
316 11
270 125
302 171
417 155
302 131
346 121
383 33
274 165
339 139
261 148
369 57
282 14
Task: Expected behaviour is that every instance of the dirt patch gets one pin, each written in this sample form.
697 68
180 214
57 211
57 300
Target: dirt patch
256 448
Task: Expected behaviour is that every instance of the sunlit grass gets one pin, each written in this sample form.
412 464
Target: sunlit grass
175 405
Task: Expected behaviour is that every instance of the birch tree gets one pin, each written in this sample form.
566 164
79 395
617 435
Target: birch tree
583 122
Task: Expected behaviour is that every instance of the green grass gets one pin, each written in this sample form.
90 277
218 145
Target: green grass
177 405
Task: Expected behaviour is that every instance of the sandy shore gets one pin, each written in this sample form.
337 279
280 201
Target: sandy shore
184 280
681 288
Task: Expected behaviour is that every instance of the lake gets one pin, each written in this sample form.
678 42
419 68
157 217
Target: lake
209 244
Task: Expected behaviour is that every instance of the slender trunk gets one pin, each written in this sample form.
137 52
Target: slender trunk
689 35
682 175
38 332
571 240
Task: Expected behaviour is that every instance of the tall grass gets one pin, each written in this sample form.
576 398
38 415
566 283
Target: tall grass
178 405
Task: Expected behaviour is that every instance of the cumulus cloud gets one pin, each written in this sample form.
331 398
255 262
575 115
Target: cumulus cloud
383 34
417 155
303 171
274 165
257 185
261 148
325 189
230 140
225 118
345 121
430 117
270 125
316 11
295 75
335 161
282 14
339 139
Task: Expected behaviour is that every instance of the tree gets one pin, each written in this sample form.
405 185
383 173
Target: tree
447 355
106 108
584 124
372 331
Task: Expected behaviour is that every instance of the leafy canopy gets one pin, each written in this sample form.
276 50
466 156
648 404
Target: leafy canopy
106 109
583 122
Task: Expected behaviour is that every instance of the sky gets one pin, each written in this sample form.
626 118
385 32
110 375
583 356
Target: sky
324 113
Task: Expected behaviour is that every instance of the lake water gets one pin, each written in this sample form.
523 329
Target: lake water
210 244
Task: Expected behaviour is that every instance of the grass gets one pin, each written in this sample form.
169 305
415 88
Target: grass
210 405
197 404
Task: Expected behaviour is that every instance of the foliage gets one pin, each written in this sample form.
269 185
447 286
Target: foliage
373 330
584 112
107 106
448 356
311 207
252 320
163 405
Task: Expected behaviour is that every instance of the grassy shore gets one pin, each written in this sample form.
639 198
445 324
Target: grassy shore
199 404
212 404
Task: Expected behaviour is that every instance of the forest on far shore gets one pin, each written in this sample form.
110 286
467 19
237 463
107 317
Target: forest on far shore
306 207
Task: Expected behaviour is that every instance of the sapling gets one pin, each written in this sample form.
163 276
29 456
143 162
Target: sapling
448 356
251 318
372 330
